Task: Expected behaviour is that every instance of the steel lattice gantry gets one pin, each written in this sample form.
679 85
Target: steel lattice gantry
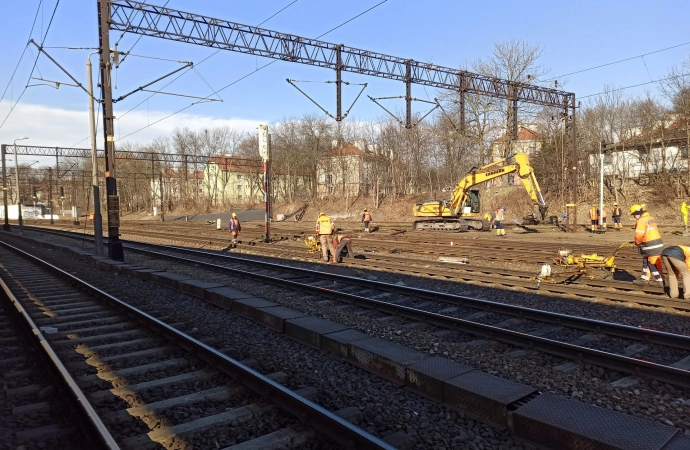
150 20
68 152
141 18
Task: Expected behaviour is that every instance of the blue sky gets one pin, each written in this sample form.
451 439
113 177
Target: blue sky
574 35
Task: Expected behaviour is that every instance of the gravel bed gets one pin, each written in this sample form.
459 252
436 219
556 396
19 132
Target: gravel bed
587 384
386 407
39 375
590 384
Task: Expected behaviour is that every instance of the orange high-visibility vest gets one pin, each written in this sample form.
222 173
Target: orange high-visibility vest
593 213
647 236
616 212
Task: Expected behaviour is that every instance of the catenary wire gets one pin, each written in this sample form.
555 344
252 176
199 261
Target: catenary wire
22 55
637 85
184 72
135 43
199 63
616 62
33 67
252 72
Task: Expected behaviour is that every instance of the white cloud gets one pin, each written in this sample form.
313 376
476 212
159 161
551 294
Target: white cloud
57 127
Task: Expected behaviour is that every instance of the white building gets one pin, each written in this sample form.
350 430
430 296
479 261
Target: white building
661 150
352 169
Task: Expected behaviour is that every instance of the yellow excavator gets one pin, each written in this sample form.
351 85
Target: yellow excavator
463 211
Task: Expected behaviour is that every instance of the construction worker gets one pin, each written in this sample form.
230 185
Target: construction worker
366 218
616 213
648 240
325 229
684 212
234 228
601 217
343 247
593 218
498 222
676 260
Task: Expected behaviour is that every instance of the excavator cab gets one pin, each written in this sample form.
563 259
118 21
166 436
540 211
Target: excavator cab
472 204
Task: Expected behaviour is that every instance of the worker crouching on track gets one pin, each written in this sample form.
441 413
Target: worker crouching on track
676 261
234 228
366 218
325 229
498 222
648 240
343 248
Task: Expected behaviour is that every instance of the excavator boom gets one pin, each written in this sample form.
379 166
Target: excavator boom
462 211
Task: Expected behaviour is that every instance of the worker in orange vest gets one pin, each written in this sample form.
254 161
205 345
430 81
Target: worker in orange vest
593 218
366 218
602 215
648 240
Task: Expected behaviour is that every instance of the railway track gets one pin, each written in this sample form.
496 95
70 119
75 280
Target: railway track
153 385
515 325
426 245
33 409
629 433
575 284
552 333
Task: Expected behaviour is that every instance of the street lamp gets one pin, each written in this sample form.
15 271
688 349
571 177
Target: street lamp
16 173
602 144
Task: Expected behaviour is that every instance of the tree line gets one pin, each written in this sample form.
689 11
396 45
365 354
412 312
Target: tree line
427 159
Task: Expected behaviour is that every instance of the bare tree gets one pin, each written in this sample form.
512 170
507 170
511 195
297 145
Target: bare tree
676 88
513 60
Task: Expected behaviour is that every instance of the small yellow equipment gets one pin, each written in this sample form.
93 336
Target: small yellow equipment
567 259
581 263
312 243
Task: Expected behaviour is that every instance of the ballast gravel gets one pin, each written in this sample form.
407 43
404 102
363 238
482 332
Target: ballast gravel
386 408
590 384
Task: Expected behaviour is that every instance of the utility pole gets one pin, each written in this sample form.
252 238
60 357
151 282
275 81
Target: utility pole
50 192
265 152
160 184
97 218
6 225
601 185
115 250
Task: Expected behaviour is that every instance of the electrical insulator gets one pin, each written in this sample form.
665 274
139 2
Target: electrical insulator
33 191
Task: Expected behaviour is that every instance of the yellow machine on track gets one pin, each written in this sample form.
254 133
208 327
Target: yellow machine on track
462 212
578 265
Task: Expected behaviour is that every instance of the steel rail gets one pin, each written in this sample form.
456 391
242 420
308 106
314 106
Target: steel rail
628 292
316 416
612 329
634 366
589 288
96 426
